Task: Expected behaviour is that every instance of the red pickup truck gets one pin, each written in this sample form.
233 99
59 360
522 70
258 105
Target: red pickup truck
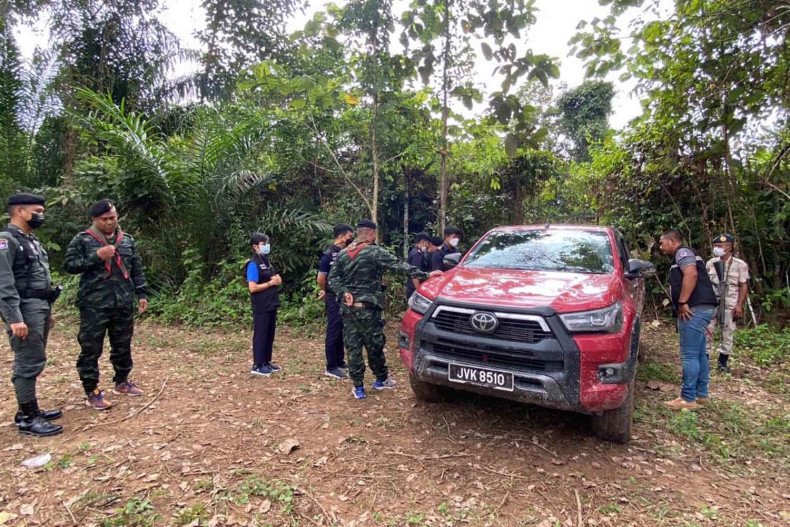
548 315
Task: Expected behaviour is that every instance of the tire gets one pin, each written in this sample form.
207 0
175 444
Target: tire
425 391
615 425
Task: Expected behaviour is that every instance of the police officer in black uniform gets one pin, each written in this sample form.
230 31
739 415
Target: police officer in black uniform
419 256
335 351
452 237
26 297
264 283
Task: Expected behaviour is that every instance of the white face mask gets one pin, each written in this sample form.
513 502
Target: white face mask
264 249
718 251
454 242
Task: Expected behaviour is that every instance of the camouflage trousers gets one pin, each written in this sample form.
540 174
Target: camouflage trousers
95 323
362 328
727 332
30 355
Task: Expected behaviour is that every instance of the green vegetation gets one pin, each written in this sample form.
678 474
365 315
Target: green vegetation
765 345
289 134
136 513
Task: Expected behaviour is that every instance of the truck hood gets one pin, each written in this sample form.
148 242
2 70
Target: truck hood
564 292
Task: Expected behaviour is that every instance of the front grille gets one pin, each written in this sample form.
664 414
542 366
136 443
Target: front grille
528 331
496 357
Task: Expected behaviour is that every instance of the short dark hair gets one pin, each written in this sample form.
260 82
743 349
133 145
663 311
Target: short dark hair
435 241
367 224
673 235
342 228
451 229
258 237
420 236
103 206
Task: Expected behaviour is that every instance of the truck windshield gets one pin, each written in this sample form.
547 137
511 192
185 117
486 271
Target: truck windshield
544 250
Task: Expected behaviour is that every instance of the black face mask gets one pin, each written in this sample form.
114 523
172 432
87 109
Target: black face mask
349 240
36 220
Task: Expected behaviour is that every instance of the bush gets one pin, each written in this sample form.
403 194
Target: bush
765 344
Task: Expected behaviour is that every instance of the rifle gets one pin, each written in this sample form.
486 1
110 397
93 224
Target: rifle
722 286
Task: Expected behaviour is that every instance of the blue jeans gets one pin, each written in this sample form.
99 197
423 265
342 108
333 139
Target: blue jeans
693 356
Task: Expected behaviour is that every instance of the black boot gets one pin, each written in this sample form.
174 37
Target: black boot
32 423
723 363
47 415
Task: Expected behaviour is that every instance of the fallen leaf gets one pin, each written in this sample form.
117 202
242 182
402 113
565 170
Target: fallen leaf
27 509
265 507
6 517
288 446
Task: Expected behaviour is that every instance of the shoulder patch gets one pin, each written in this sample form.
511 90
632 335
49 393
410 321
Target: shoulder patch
684 253
3 244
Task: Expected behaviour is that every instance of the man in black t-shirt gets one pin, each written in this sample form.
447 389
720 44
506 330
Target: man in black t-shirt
419 256
452 237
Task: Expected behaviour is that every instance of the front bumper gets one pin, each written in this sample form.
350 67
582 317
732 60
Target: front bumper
552 371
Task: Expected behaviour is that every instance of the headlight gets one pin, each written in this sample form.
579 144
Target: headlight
607 320
419 303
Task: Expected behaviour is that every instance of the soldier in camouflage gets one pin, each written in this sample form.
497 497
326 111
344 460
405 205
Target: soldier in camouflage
112 276
356 278
26 297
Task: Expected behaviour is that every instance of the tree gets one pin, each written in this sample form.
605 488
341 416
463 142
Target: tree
238 35
584 115
445 32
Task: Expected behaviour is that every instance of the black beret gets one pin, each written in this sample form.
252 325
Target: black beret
420 236
258 237
435 240
342 228
367 224
724 238
101 207
450 230
25 198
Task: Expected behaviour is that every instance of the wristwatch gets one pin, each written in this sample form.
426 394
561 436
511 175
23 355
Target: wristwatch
683 303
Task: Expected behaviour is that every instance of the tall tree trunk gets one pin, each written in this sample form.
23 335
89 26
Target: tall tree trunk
374 154
70 140
405 213
443 186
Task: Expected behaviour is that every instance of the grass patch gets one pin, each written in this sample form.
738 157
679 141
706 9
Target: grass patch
196 512
764 344
656 371
277 491
136 513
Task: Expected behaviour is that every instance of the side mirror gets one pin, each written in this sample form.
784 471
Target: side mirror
639 269
451 260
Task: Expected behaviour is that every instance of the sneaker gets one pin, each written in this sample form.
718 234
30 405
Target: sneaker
127 388
263 371
336 373
386 384
680 404
96 400
359 392
274 367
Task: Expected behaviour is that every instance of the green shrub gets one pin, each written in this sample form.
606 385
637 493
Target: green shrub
765 344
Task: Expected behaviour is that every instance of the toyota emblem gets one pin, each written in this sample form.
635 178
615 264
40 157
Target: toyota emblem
484 322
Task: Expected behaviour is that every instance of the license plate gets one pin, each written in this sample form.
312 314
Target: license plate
498 380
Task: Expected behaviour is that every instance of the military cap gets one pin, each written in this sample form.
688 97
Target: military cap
420 236
258 237
342 228
367 224
450 230
103 206
25 198
724 238
436 241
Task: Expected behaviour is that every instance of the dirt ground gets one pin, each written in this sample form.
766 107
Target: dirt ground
210 445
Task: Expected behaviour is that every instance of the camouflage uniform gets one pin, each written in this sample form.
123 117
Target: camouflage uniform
736 272
358 271
107 305
25 269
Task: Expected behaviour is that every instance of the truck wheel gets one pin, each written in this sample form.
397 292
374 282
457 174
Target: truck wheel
615 425
427 392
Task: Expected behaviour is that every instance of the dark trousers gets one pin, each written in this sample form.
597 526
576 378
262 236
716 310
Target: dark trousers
335 351
95 323
363 328
263 326
30 354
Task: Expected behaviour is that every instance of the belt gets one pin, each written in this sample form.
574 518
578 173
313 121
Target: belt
42 294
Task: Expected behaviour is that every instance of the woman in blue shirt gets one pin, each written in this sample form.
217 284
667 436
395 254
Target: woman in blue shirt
264 284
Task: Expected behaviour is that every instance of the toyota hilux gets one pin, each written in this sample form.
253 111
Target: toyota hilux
547 315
